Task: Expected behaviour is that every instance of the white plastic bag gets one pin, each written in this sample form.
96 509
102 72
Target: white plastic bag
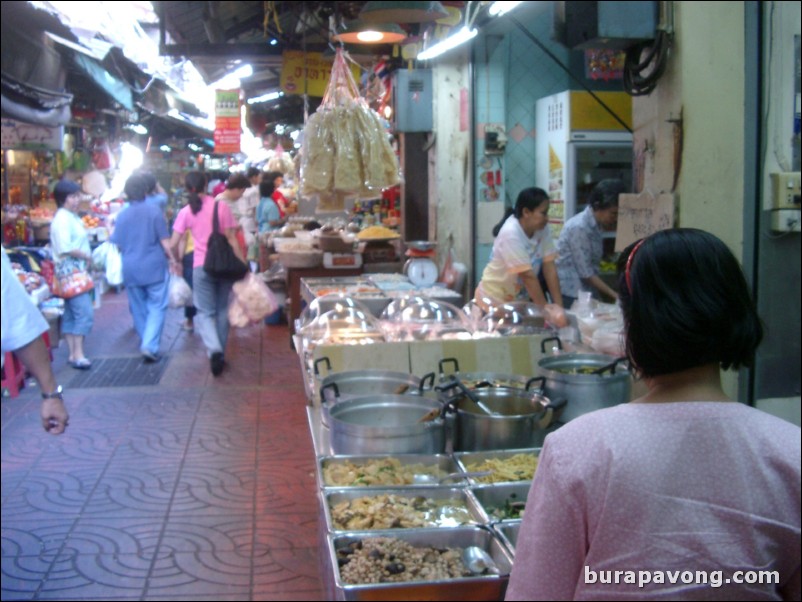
253 301
114 266
180 293
99 255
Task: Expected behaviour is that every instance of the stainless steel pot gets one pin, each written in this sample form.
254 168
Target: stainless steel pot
500 418
476 380
385 424
339 386
569 376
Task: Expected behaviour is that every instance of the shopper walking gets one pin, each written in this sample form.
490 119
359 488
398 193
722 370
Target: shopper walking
236 185
21 332
683 481
210 294
72 253
142 237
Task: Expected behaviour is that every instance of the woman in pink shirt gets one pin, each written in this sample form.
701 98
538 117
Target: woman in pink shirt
682 494
210 294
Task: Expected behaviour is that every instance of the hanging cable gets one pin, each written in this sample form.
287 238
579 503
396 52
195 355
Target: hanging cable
642 73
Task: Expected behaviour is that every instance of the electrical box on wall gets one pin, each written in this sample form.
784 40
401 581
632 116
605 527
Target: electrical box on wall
785 202
413 100
616 25
495 139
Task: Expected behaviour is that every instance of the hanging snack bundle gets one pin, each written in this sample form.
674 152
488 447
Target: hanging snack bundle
346 148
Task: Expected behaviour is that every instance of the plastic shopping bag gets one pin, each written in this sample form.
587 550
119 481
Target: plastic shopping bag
253 301
114 266
180 293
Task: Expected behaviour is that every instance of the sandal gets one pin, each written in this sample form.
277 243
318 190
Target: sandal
81 364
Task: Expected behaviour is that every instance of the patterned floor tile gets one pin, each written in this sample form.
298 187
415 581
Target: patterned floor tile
22 576
193 533
95 576
287 530
127 537
201 573
40 539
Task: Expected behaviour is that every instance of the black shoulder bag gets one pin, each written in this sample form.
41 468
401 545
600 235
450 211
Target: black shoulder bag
221 262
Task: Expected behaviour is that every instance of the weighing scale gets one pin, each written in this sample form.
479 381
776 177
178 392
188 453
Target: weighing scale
420 268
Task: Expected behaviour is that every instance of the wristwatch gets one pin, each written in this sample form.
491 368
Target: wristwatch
57 394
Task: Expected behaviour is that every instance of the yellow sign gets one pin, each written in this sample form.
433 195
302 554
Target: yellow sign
316 69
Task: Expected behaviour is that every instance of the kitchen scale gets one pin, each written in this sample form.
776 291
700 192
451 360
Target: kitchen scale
420 268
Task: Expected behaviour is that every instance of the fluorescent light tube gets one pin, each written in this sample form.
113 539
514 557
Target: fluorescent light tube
462 36
500 8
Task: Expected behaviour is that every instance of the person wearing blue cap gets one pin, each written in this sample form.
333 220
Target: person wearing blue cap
70 243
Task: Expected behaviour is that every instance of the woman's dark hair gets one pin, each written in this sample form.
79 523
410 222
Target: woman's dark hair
237 181
266 188
272 175
605 194
195 184
686 304
136 187
528 198
252 172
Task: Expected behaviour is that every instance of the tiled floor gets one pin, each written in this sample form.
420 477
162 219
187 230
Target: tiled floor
196 488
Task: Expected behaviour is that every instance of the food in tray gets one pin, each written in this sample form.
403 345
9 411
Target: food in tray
391 511
473 383
377 233
351 290
512 508
518 467
391 560
379 471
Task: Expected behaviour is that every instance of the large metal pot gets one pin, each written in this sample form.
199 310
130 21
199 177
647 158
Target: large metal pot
568 376
339 386
500 418
477 380
386 424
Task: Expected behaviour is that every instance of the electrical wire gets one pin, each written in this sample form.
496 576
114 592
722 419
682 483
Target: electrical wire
642 73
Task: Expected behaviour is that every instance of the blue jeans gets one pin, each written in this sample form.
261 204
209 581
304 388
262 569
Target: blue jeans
148 305
79 315
210 297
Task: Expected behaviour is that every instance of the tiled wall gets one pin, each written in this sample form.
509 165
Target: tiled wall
511 74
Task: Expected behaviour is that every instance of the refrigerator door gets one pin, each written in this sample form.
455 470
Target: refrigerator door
589 162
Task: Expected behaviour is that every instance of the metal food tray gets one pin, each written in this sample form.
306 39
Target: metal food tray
478 587
333 496
470 457
495 495
444 464
507 532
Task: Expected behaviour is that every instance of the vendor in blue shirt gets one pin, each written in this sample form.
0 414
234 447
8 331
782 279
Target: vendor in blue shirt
580 246
268 215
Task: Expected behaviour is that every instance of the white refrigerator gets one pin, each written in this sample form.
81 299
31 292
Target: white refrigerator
579 144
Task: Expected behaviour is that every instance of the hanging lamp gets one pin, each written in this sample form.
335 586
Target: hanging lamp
361 32
402 12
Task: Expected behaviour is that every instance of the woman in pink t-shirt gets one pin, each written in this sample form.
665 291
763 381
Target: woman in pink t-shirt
210 294
681 494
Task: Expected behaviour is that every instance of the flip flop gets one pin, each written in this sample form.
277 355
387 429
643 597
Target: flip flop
81 364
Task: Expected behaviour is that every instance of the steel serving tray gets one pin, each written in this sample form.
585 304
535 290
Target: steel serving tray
438 465
477 457
445 517
477 587
494 499
508 531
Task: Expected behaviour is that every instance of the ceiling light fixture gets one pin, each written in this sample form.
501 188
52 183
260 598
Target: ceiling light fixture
462 36
265 97
403 12
360 32
501 8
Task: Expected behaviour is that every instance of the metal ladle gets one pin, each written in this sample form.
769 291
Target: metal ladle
478 562
428 479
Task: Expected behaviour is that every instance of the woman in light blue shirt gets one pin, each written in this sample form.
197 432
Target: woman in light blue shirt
268 215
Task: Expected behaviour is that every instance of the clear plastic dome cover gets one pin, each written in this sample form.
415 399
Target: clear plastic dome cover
344 325
515 317
324 303
413 318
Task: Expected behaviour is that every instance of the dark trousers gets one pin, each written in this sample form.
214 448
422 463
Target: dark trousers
186 269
